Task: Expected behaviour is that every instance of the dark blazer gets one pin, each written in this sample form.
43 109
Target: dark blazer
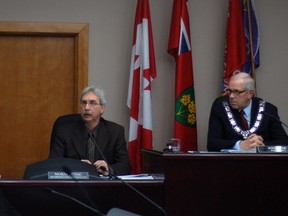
221 135
68 139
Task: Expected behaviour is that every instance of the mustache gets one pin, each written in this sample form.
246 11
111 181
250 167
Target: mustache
87 113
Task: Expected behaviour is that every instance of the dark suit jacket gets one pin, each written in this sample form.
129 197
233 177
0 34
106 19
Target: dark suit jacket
68 139
221 135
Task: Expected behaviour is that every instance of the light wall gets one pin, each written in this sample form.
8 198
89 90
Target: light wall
110 40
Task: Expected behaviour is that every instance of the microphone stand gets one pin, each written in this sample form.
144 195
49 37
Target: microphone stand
75 200
272 116
69 172
134 189
112 176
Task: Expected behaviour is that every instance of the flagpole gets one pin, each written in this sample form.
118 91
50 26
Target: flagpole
251 45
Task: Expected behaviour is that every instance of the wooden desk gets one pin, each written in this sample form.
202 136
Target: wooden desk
31 197
223 184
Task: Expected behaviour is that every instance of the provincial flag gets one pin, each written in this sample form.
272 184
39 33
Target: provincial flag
142 72
180 48
241 35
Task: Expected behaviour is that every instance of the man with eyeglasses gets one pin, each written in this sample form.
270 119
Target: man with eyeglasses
91 138
241 121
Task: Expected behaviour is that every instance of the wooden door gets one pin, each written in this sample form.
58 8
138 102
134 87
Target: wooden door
43 68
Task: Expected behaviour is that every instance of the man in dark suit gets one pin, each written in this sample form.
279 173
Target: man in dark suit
227 126
91 138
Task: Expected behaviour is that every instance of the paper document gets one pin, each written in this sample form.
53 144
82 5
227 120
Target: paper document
238 151
142 176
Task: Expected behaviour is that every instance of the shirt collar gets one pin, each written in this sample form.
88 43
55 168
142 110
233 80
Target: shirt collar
247 109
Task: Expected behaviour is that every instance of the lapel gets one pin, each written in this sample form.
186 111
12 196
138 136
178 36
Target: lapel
79 140
237 116
103 138
254 111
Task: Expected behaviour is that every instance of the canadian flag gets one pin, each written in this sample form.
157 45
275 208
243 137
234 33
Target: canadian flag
142 72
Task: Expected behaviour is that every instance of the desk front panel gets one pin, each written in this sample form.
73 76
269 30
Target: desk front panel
226 184
34 198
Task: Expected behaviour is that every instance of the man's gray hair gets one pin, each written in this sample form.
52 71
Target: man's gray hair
97 91
249 83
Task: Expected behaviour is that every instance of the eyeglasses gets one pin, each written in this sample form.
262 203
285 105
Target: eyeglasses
235 92
91 103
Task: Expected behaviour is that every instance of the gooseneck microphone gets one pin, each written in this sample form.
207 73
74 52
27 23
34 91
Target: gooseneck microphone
91 207
75 200
112 176
103 157
135 190
67 170
274 117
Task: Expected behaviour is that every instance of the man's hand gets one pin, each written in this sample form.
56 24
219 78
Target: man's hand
100 163
251 142
104 167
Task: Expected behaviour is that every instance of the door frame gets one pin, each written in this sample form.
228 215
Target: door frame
80 33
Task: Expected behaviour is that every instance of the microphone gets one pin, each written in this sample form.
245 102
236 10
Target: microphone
67 170
103 157
74 199
272 149
103 169
112 176
135 190
274 117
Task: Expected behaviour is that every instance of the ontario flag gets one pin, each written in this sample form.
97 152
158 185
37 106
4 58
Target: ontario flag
142 72
180 48
242 40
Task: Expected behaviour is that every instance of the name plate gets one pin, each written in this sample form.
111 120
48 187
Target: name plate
272 149
63 175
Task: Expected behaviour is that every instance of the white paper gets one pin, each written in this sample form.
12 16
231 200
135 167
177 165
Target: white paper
142 176
238 151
